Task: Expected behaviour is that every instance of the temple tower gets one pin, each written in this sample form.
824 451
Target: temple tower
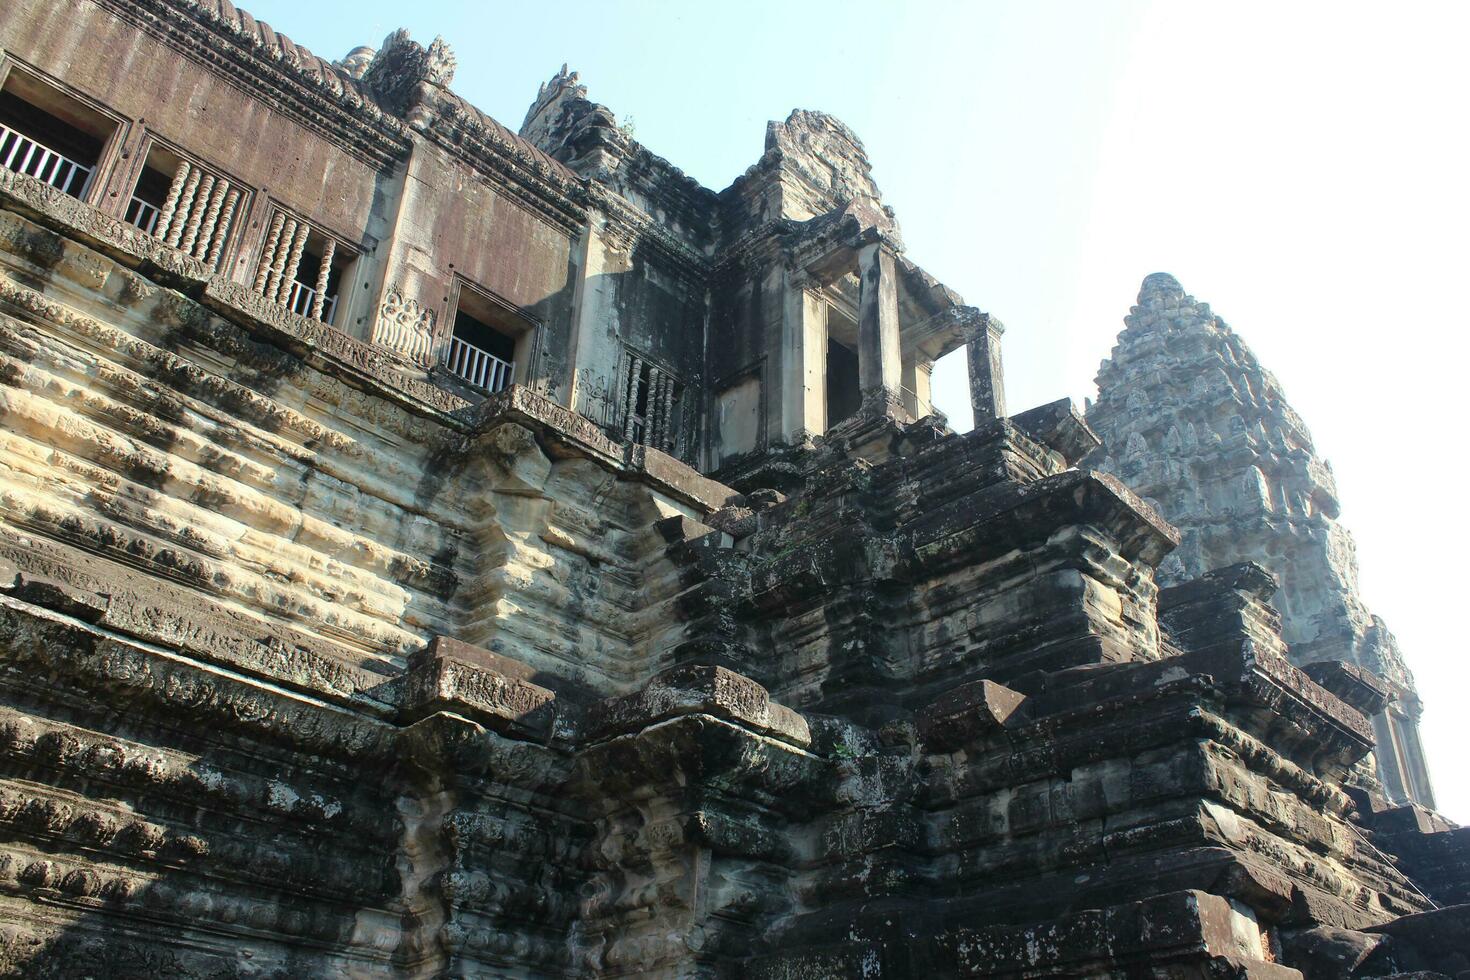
1191 420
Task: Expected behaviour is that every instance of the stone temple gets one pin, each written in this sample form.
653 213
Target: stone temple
429 550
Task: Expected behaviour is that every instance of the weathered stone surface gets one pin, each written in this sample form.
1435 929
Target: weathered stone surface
686 652
1192 422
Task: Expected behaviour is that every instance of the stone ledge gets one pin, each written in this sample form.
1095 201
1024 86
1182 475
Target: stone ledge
131 678
450 675
693 690
1183 927
1059 426
569 433
1247 577
969 711
1352 684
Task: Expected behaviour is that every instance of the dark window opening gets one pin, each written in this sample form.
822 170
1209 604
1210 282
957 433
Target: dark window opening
844 387
152 189
50 136
483 349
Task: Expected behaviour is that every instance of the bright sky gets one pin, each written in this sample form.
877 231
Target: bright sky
1302 167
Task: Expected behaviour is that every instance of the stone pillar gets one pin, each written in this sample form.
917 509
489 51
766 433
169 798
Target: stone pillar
878 354
1415 769
987 380
803 410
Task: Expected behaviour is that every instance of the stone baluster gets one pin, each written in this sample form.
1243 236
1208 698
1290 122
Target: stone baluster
666 416
319 301
196 214
293 262
653 413
630 402
171 202
185 204
222 230
211 218
278 262
268 254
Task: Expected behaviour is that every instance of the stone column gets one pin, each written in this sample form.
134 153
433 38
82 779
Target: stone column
803 410
878 354
987 380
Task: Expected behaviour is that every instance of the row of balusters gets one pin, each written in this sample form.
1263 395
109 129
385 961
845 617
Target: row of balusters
197 213
659 427
281 260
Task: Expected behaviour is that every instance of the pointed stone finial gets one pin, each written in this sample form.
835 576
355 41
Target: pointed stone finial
562 87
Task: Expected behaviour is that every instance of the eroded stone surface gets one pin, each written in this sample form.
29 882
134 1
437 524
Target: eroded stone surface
689 653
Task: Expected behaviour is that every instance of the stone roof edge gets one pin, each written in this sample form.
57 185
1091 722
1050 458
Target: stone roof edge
323 97
247 52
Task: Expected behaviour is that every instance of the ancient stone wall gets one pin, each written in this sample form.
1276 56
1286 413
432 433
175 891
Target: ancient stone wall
1191 420
318 659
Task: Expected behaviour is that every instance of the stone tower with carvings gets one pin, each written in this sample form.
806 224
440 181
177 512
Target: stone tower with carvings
1192 422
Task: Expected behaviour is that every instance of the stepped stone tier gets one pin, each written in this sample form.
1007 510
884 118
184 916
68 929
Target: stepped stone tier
428 550
1191 421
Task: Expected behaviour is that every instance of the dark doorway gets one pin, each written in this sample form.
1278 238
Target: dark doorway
844 391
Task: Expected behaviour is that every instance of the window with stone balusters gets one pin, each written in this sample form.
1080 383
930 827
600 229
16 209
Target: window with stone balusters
303 268
652 404
185 204
50 135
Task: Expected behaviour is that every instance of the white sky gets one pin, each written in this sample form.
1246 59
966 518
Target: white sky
1300 166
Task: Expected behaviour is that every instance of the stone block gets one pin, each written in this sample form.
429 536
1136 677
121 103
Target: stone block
449 675
971 711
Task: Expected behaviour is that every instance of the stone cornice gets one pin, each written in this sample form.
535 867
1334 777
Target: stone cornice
575 433
533 179
292 80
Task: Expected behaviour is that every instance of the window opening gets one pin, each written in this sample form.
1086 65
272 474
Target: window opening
844 387
302 269
651 407
50 136
486 342
184 205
